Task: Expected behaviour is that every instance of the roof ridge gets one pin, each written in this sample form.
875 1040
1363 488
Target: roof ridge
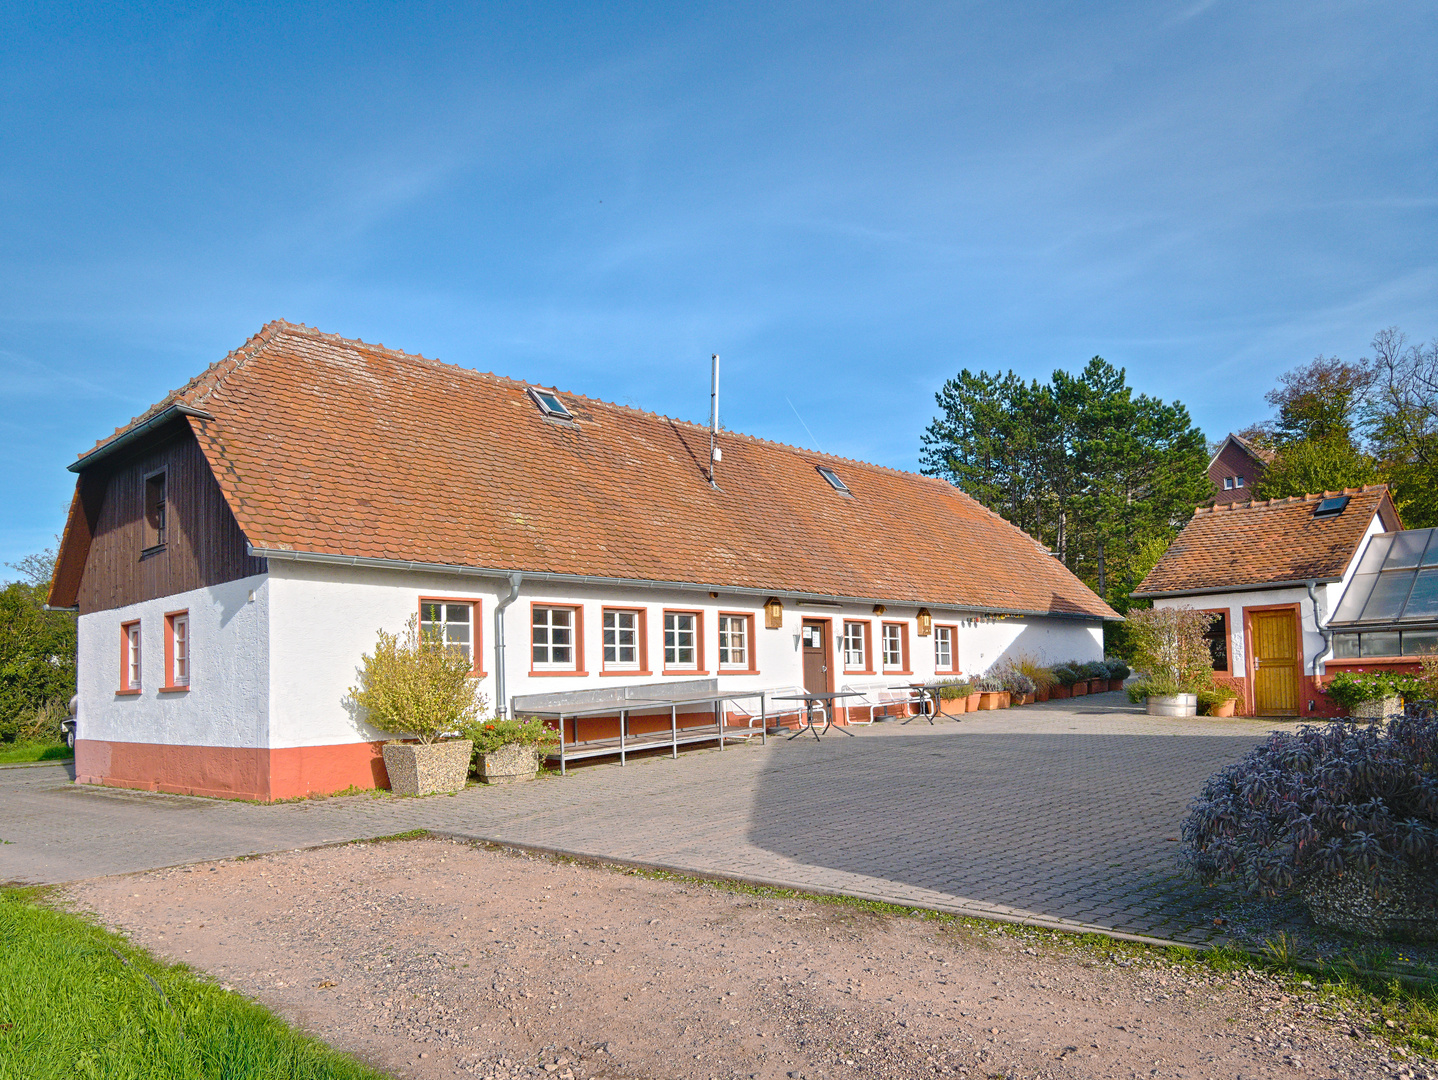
1285 500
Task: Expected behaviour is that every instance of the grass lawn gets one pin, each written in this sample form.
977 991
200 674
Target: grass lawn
71 1007
15 753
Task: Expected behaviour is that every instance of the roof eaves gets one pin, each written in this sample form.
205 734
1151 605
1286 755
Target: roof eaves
1243 586
133 434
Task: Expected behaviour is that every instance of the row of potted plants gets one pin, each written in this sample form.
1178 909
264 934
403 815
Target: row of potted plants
1024 681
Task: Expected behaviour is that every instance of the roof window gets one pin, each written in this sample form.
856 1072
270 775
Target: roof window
549 403
1331 507
833 478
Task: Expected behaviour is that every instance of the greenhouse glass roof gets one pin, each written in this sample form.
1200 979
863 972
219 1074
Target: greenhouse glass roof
1396 582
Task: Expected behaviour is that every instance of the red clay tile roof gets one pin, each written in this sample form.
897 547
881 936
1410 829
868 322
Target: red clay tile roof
1233 545
322 444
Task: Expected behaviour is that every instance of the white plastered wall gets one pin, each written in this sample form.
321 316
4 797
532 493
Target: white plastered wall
986 644
228 701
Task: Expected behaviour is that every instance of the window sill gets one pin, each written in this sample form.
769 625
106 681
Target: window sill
860 671
555 674
130 691
738 671
896 671
174 689
625 671
686 671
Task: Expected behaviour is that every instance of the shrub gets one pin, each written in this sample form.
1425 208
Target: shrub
1064 675
990 684
1168 645
1093 669
1428 677
1040 676
1147 688
955 688
42 725
1215 695
489 735
1350 689
1336 799
1016 682
415 685
1117 669
37 655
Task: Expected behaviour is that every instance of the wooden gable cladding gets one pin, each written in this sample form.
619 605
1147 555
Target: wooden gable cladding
204 544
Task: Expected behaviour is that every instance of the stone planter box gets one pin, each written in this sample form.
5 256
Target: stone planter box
1059 691
1079 689
1345 902
971 703
512 764
1115 685
953 706
427 768
1378 708
1175 705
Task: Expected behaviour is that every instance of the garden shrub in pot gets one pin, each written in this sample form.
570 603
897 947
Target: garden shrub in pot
1096 673
418 687
991 693
954 695
1019 686
1064 678
1041 676
1118 671
1375 695
508 751
1345 816
1170 649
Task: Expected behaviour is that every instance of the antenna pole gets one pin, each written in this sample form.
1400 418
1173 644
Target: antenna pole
713 414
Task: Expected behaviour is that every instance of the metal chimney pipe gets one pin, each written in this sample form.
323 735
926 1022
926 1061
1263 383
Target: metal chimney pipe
713 416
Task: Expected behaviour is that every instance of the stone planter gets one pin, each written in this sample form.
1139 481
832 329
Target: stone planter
971 703
1378 708
1173 705
1059 691
1079 689
1115 685
1224 708
510 764
1345 902
427 768
991 699
953 706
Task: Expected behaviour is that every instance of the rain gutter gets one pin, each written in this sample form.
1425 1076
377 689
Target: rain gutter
125 438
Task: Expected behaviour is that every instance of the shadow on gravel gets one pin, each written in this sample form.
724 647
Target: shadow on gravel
1080 827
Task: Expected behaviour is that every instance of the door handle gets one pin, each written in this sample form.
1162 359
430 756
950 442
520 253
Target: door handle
823 667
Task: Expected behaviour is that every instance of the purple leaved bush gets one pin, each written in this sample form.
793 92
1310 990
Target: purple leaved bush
1340 799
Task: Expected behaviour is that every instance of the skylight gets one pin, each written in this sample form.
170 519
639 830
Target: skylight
1396 581
1331 507
833 478
549 403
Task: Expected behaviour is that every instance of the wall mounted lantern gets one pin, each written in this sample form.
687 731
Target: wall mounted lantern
773 613
926 622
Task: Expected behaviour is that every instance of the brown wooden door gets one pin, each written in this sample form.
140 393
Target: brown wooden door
1277 663
816 656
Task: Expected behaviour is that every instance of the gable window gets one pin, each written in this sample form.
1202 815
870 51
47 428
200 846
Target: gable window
1238 481
895 648
554 639
735 634
1228 483
1217 637
944 648
452 623
177 651
856 646
130 658
682 640
549 403
623 640
155 510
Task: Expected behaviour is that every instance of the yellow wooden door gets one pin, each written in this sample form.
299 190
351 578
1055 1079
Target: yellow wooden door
1277 663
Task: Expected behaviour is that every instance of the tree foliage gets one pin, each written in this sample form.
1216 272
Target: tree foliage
1401 419
37 647
1102 475
416 685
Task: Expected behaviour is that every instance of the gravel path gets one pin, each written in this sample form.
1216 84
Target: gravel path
437 959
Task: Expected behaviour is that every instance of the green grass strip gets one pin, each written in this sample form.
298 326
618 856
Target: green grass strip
78 1001
20 753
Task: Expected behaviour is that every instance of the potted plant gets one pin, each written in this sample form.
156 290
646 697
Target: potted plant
1040 676
1079 686
508 751
1220 699
1169 647
1343 816
1019 686
954 696
420 689
1374 696
1096 672
991 694
1064 678
1118 671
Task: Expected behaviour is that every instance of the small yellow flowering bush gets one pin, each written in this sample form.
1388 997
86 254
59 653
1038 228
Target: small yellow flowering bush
417 685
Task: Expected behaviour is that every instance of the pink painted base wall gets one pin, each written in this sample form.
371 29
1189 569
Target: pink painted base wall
230 772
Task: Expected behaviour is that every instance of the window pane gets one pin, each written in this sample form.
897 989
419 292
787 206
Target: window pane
1380 643
429 613
1406 550
1354 597
1420 642
1389 595
1423 602
560 616
1430 557
457 634
457 612
1217 637
1375 553
1345 646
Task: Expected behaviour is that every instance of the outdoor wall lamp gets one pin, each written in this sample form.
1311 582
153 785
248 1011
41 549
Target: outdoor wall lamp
926 622
773 613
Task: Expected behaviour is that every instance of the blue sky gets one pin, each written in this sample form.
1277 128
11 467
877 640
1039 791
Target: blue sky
848 203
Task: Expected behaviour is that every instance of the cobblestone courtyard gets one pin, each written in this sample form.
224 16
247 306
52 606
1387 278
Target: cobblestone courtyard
1065 814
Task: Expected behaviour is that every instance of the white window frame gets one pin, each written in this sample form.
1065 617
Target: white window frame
613 640
855 645
444 623
131 671
1238 481
180 649
673 640
1228 483
552 630
944 634
729 627
898 636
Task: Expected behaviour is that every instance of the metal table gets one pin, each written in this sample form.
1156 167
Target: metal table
809 701
925 691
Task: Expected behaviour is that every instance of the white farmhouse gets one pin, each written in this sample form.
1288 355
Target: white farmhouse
233 551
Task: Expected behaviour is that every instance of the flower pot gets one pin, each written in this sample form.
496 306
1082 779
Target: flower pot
427 768
1041 694
1345 902
1060 691
1173 705
1378 708
1115 685
1098 686
1079 689
1223 708
991 699
953 706
510 764
1005 699
971 703
1022 699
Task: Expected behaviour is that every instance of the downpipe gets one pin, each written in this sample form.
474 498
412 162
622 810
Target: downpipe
501 704
1325 655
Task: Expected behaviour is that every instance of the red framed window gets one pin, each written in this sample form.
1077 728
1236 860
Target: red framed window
894 650
130 668
556 639
453 621
626 648
946 648
857 648
178 649
736 641
684 642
